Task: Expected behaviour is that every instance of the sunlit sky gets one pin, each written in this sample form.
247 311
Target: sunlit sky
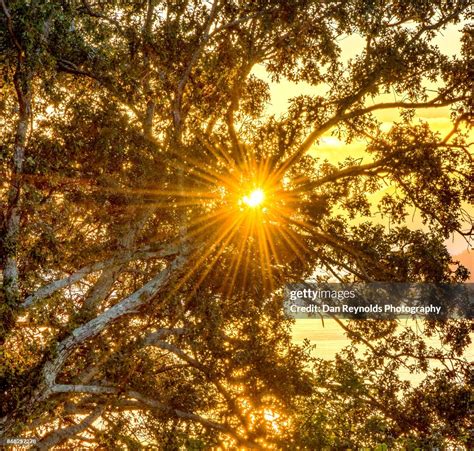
329 338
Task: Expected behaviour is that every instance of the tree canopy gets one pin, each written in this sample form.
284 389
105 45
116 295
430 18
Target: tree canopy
141 300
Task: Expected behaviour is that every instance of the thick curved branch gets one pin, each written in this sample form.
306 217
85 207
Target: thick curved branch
457 123
22 80
96 325
437 102
57 285
368 169
61 435
304 147
193 60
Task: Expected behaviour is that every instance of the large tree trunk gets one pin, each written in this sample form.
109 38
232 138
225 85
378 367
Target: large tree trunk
11 225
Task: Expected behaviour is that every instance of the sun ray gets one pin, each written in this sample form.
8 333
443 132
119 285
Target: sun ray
208 174
271 252
212 216
265 263
221 155
215 258
286 234
235 264
207 252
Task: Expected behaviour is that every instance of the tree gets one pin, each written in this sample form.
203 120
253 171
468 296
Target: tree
141 298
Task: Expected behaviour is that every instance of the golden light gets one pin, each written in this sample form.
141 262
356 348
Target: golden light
237 214
255 198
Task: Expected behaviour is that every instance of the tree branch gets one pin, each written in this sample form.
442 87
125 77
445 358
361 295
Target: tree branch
96 325
150 403
457 123
317 133
10 28
191 63
57 285
60 436
350 171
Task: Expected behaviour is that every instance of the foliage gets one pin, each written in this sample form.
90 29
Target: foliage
141 302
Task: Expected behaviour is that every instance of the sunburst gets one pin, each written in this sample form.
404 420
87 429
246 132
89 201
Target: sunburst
242 215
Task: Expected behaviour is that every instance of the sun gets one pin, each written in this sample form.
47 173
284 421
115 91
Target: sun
244 215
255 198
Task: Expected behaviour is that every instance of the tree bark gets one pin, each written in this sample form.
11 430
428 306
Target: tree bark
11 225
